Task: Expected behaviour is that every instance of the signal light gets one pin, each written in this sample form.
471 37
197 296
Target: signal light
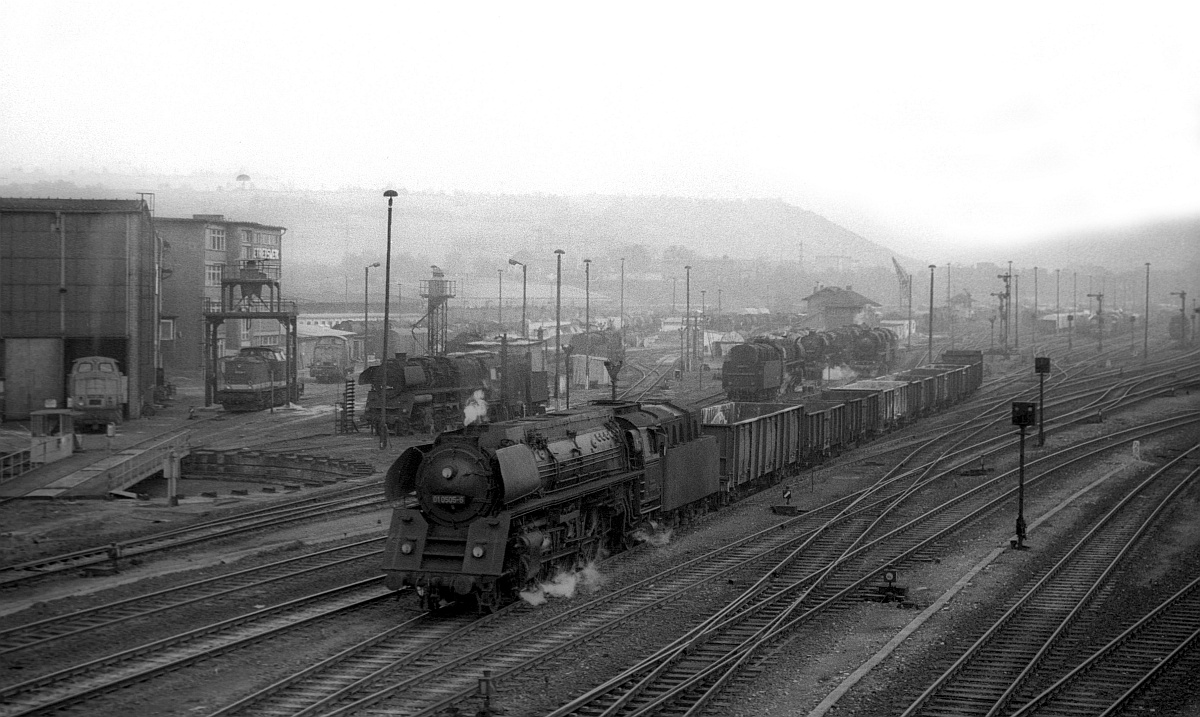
406 548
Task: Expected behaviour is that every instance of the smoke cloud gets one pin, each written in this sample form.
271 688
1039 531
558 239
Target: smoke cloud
566 584
476 409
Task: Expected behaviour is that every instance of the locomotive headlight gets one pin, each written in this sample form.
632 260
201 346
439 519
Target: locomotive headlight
406 548
447 472
477 551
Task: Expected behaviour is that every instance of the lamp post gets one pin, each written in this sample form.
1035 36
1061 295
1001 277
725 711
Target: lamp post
524 273
622 310
387 295
500 304
932 268
587 323
366 307
557 324
1041 365
674 282
687 318
1146 319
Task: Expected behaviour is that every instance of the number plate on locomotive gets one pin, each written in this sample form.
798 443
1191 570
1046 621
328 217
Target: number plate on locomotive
449 499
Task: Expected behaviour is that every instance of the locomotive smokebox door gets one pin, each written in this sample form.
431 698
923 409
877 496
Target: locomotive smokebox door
1024 413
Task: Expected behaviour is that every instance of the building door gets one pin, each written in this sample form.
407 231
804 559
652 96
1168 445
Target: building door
34 373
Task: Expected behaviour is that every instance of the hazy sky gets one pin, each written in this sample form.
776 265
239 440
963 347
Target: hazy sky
944 123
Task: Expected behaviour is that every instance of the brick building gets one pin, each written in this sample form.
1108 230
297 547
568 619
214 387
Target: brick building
198 253
833 306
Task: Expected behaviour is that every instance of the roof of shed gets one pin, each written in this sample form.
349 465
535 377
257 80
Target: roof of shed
114 206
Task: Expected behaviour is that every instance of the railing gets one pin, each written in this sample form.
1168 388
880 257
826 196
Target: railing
16 464
148 460
215 306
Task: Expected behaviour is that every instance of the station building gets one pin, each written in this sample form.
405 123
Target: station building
78 277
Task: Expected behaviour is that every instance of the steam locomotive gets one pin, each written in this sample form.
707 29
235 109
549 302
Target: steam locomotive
504 504
431 393
254 379
770 367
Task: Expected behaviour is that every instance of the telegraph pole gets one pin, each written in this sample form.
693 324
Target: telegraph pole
1099 320
1146 319
932 267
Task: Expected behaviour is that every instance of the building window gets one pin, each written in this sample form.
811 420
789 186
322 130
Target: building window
216 238
268 340
266 239
166 329
213 272
247 236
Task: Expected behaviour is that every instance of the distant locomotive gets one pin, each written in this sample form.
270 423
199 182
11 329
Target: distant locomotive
505 504
330 362
256 378
770 367
433 393
99 390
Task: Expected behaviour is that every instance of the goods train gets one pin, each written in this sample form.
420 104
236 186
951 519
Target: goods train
330 360
501 506
770 367
98 390
431 393
254 379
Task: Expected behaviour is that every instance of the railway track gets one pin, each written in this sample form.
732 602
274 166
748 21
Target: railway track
1122 672
343 500
79 683
690 673
440 675
1042 628
79 622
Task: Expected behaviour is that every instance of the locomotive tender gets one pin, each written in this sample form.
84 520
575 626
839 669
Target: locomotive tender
430 393
503 505
253 379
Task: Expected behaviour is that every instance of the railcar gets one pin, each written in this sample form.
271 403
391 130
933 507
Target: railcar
254 379
98 390
441 393
503 505
330 362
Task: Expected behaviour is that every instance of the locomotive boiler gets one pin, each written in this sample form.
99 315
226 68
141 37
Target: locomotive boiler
763 368
503 505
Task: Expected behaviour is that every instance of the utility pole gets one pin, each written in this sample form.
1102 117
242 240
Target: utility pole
1146 319
557 325
687 319
932 268
1099 320
1183 319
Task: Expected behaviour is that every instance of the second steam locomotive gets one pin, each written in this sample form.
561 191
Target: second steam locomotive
770 367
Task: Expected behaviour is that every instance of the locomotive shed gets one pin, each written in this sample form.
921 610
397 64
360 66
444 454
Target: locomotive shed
795 683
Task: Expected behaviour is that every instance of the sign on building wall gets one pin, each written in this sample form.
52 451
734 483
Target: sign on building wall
265 253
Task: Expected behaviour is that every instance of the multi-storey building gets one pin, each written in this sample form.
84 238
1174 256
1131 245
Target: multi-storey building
78 277
199 253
